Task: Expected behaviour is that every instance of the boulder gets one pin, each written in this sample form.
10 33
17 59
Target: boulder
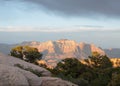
11 76
50 81
12 61
15 72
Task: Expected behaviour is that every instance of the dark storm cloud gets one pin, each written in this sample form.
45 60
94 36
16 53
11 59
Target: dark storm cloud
79 7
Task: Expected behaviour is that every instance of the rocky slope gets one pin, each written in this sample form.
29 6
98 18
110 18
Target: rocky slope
15 72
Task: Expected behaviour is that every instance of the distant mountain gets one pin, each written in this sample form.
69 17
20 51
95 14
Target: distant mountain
64 48
55 51
5 48
113 52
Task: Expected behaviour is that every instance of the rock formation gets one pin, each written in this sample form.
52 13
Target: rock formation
55 51
15 72
65 48
49 81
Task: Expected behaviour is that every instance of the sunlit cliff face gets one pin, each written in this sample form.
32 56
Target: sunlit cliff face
55 51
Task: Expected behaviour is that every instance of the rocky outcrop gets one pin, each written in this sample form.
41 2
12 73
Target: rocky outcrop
11 61
65 48
12 76
55 51
9 77
15 72
49 81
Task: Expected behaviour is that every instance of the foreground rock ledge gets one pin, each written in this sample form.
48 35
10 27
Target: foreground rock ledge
12 61
11 75
50 81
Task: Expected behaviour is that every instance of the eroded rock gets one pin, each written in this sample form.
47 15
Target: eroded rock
49 81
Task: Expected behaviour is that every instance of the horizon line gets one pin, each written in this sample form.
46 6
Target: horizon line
56 29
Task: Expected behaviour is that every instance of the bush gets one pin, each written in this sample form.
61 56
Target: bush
26 53
96 72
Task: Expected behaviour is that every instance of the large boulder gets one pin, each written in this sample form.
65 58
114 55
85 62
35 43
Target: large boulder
12 76
12 61
15 72
50 81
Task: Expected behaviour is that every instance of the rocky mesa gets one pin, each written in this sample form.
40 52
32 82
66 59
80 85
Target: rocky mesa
55 51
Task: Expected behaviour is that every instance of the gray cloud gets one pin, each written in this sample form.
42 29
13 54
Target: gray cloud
108 8
81 7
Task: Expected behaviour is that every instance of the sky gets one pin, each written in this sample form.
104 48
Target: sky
90 21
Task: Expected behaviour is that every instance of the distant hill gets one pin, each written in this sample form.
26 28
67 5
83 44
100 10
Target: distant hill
113 52
5 48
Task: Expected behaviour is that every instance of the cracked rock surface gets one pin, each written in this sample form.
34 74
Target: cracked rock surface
11 75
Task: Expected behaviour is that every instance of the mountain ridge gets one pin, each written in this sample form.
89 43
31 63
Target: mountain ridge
55 51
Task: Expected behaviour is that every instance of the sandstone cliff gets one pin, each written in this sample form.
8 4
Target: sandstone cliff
55 51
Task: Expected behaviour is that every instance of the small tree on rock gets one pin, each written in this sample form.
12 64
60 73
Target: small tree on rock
26 53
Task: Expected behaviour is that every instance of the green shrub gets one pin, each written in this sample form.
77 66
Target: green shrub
26 53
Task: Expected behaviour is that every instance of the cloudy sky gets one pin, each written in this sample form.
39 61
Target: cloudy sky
91 21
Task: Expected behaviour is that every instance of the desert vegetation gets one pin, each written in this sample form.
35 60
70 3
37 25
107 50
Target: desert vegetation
97 70
26 53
